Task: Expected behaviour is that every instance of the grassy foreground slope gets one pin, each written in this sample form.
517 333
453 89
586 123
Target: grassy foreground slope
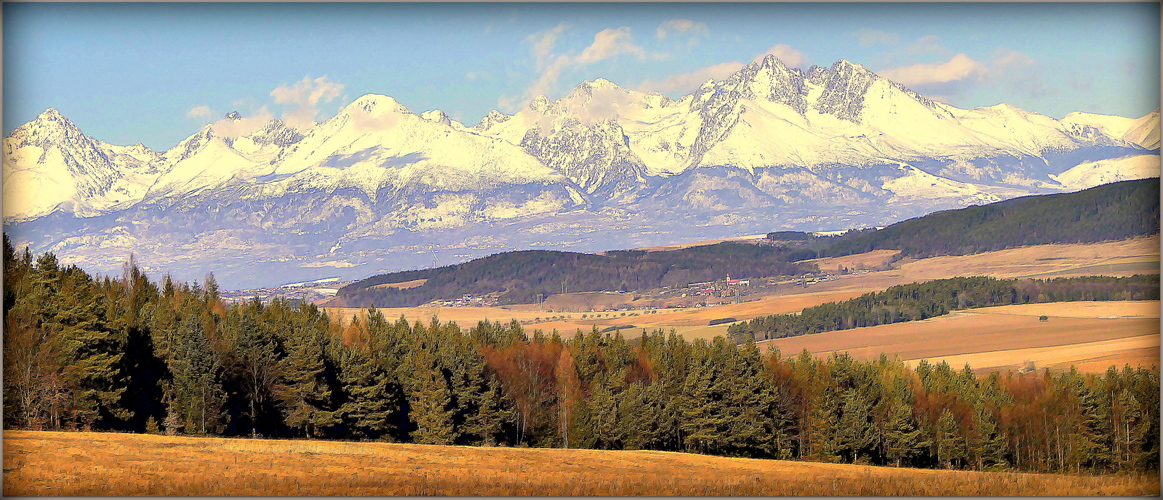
76 463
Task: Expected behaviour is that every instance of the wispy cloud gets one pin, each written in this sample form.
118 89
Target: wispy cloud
543 42
689 81
609 43
685 26
300 101
927 44
868 37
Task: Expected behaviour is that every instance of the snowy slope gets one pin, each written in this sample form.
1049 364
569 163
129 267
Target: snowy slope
1144 131
375 142
1090 174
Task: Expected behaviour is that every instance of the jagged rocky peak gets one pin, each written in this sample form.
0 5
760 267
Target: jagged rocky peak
541 104
278 133
769 79
233 116
49 126
494 117
437 116
844 87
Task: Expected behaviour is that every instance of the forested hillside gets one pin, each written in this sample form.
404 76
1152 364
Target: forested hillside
128 354
919 301
1109 212
520 276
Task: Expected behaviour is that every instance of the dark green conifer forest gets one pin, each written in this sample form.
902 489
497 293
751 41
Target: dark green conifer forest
131 355
919 301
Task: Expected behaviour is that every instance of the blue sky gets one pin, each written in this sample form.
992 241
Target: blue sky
156 73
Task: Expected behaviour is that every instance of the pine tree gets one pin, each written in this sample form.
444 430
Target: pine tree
370 400
307 394
604 416
429 399
903 440
196 391
950 446
855 434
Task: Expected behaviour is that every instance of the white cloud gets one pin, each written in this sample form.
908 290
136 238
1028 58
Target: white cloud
301 99
247 125
960 67
790 57
687 82
202 112
868 37
470 76
686 26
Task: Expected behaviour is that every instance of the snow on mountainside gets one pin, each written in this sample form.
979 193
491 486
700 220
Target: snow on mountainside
376 142
1145 131
49 164
376 186
1090 174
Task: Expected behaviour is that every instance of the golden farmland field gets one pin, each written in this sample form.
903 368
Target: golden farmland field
1120 258
691 323
1089 335
76 463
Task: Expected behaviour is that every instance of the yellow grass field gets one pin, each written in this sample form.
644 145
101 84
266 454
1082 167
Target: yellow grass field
403 285
1090 335
691 323
99 464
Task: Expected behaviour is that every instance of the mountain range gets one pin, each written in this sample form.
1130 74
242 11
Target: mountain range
379 188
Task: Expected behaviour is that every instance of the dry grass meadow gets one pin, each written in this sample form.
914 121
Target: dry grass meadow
1092 336
102 464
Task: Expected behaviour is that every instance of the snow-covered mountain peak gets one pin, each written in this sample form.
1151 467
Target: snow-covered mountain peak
598 84
49 127
376 105
541 104
493 118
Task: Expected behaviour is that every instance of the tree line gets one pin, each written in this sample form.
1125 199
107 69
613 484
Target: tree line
1115 211
521 276
919 301
127 354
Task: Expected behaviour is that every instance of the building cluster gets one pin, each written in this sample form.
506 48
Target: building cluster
468 300
311 292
